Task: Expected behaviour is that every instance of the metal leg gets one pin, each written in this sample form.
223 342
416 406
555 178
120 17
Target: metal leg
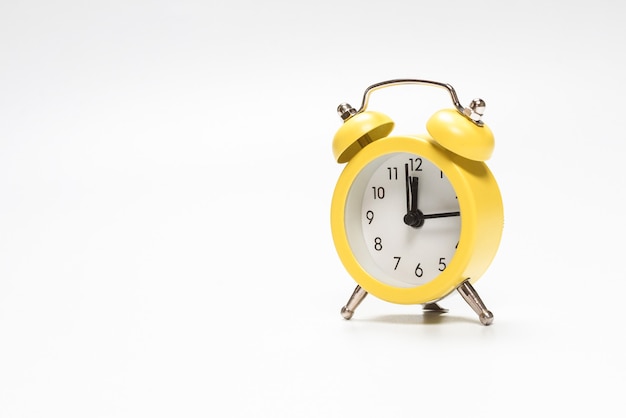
357 297
434 308
471 297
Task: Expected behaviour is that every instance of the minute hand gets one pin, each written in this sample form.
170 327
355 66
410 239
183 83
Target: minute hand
441 215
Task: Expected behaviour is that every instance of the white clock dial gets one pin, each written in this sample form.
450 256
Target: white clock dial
403 219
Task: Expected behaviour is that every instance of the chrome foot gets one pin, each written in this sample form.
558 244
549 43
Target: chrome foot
471 297
357 297
434 308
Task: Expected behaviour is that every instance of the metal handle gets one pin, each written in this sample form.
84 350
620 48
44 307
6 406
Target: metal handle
473 112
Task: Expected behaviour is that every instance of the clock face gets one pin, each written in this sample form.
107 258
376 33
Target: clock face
402 219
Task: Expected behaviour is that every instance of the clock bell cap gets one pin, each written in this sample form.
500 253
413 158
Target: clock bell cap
458 134
359 131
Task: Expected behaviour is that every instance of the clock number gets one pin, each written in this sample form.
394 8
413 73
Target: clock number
441 174
370 216
393 173
442 265
378 244
379 192
416 164
418 270
397 262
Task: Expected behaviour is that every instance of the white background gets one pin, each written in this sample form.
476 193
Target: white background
165 184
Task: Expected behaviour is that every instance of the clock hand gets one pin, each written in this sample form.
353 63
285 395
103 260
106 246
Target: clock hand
407 180
414 192
414 217
440 215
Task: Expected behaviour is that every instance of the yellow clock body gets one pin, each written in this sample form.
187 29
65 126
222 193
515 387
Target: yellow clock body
414 217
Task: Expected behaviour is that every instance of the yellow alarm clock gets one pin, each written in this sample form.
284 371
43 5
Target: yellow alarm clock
415 217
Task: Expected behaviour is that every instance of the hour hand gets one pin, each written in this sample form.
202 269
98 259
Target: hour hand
415 182
414 216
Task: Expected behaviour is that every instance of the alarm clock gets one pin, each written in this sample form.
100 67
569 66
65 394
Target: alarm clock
415 217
